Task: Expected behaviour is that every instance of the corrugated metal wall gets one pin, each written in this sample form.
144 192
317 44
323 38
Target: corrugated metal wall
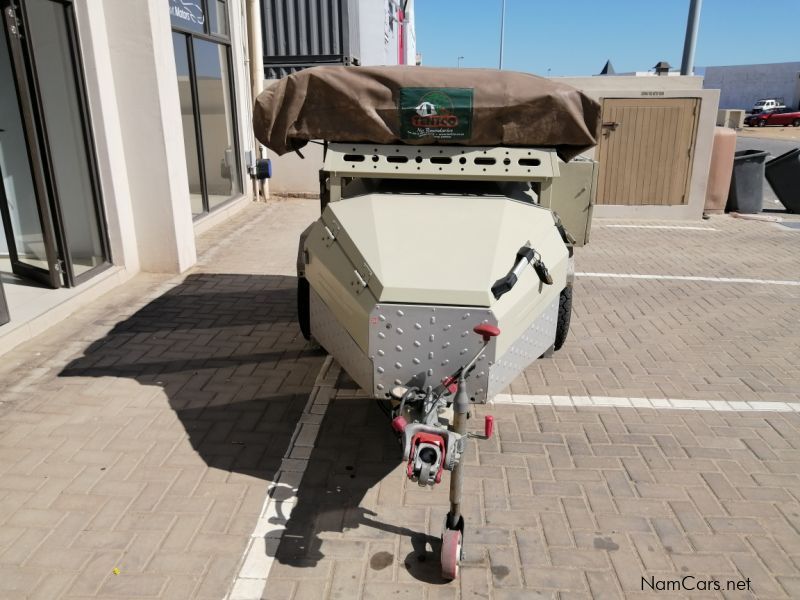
304 33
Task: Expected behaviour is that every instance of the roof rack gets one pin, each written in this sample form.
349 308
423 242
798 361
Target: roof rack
440 162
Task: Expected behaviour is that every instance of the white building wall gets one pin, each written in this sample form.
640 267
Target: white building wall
741 85
390 34
411 35
105 117
371 24
378 31
140 48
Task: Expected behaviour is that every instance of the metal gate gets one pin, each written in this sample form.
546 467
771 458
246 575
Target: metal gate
646 150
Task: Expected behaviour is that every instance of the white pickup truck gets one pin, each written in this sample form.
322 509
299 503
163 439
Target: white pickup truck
767 105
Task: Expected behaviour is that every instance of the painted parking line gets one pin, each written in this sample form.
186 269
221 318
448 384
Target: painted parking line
655 403
668 227
691 278
257 559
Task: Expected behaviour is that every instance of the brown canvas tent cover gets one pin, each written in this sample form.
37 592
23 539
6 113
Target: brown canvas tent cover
425 105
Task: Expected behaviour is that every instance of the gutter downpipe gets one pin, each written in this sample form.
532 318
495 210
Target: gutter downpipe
256 59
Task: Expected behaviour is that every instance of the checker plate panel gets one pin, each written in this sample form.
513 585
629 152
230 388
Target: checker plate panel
408 341
536 340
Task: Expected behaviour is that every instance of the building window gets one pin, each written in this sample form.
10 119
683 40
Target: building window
200 37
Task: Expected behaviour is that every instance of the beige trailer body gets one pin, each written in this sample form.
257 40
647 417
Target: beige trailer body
572 197
399 278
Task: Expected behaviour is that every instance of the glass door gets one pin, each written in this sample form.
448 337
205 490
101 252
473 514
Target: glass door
70 168
42 42
27 241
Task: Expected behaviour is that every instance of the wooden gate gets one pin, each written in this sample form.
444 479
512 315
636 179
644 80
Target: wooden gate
646 150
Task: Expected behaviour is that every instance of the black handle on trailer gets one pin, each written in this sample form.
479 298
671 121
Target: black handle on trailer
525 256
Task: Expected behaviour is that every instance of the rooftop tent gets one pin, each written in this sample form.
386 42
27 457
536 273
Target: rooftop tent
425 105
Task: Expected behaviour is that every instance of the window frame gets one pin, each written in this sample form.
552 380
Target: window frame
225 41
64 265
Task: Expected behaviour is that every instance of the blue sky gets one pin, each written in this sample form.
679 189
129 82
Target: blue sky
576 37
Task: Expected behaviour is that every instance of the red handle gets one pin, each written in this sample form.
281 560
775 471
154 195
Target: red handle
488 426
486 331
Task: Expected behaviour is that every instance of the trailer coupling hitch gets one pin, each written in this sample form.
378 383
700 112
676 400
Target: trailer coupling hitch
428 450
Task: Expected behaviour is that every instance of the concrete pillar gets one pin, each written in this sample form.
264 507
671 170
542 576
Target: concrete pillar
141 56
107 134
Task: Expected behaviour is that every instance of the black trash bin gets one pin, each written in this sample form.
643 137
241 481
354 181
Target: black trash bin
783 174
746 194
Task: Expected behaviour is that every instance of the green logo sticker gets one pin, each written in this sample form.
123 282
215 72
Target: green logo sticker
440 113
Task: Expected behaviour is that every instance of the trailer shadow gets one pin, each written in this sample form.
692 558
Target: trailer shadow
336 507
227 352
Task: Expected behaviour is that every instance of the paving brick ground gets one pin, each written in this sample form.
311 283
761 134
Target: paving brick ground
681 339
586 502
143 433
561 503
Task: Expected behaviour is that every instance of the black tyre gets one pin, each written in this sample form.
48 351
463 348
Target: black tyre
762 123
304 307
796 123
564 315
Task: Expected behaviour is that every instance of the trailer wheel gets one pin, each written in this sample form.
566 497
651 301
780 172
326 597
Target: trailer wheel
304 307
450 554
564 314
